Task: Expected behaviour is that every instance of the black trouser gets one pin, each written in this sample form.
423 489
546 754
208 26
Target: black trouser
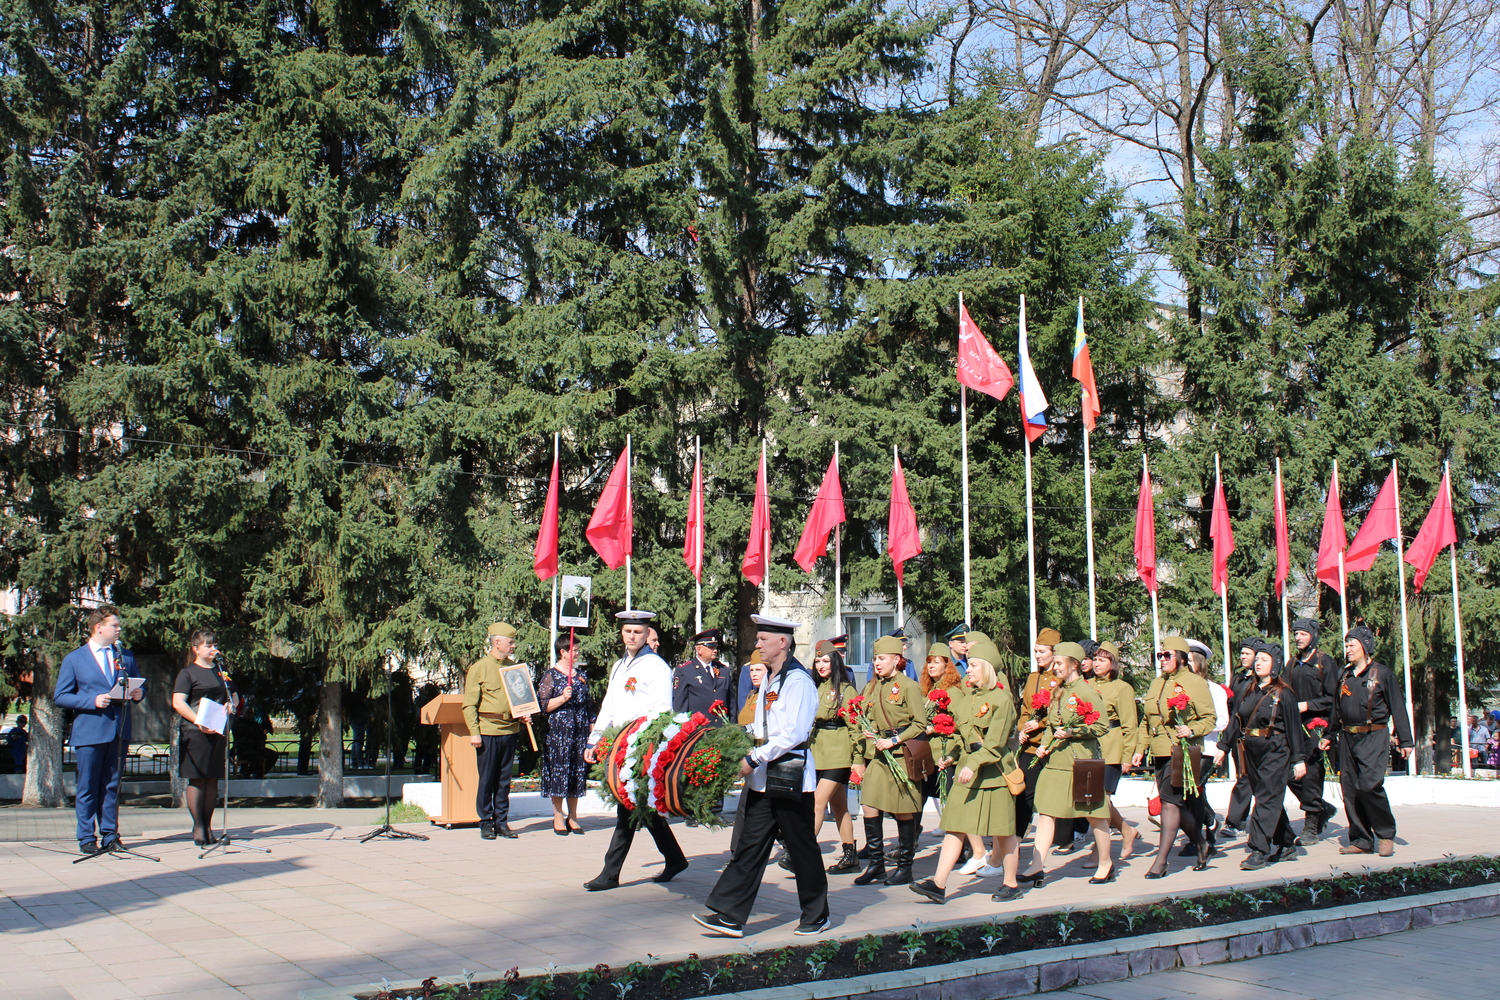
1309 790
497 759
1270 765
1364 759
619 844
764 819
1031 767
1238 813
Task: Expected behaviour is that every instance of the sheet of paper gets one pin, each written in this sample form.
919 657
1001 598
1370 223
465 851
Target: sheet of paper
211 715
119 691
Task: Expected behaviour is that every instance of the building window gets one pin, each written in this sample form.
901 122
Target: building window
863 631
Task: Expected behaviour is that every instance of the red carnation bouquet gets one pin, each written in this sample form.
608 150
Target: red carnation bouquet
1317 731
1041 701
856 713
1179 703
943 724
940 698
1075 713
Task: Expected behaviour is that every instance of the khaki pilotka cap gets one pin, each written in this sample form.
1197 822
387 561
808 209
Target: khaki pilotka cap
501 628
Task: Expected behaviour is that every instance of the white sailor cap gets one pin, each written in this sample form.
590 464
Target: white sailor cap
635 616
1200 648
770 623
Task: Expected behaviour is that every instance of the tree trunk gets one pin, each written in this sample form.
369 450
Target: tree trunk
331 745
44 772
174 765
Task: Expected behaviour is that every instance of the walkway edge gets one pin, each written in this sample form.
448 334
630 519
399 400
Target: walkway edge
1048 969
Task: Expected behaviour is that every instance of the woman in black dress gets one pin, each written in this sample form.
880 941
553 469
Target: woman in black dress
202 750
564 694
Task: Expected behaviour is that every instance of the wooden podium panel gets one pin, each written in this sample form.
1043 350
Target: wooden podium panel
460 761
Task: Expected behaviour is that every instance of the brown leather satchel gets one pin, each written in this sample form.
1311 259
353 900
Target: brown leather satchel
919 763
1195 756
1088 782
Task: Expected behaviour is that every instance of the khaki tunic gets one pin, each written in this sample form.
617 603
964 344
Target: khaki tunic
486 705
832 748
1155 736
1119 701
986 722
894 704
1054 786
1042 680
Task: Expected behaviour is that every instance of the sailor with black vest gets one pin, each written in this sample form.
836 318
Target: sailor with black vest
1314 676
640 684
779 784
1365 704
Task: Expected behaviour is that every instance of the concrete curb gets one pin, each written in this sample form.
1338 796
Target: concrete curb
1048 969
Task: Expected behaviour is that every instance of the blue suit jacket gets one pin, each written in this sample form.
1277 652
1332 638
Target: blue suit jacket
79 682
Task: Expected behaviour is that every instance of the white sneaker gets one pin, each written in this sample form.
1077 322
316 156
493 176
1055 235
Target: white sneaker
973 865
986 870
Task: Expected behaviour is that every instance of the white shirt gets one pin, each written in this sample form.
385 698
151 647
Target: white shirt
785 724
652 694
1221 715
105 667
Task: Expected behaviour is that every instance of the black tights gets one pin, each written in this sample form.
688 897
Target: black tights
1174 818
202 796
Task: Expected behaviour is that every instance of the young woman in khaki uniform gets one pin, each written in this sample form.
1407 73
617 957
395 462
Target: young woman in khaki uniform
979 803
833 750
1119 743
1067 738
898 713
1164 727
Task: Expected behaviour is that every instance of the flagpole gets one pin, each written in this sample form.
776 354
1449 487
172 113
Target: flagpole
629 468
963 430
552 638
1343 582
900 597
698 576
1286 627
838 555
1224 595
1411 762
1030 549
1155 618
1458 644
1088 506
765 583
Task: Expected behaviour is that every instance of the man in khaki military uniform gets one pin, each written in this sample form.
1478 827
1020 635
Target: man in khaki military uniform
493 730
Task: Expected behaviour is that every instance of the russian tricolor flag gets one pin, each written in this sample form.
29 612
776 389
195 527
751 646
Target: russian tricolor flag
1033 400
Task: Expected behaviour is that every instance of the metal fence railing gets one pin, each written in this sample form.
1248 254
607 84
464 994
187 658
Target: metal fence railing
278 756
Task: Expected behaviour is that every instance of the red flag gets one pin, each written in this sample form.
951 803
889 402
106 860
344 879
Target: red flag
611 530
544 556
905 541
827 512
979 367
1283 539
1145 533
1223 536
1436 535
757 554
1380 526
1333 539
1083 371
692 545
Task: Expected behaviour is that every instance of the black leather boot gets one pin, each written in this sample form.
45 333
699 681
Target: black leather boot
875 841
847 864
906 850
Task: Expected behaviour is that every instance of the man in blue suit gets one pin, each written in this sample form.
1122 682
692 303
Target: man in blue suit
83 684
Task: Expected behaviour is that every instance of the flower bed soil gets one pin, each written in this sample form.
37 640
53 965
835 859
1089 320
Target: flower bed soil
752 970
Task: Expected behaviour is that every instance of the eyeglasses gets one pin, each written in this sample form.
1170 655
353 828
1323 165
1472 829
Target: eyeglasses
1165 656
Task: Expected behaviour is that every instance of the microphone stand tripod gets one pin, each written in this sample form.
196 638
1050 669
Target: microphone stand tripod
117 846
385 829
224 841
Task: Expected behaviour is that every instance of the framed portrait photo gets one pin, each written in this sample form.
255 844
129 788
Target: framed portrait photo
520 690
577 592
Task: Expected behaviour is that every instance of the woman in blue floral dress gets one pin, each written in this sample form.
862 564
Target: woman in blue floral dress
564 694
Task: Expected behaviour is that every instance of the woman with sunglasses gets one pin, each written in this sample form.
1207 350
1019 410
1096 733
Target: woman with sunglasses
1179 710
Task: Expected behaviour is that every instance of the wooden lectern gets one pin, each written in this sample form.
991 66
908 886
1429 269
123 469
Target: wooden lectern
460 768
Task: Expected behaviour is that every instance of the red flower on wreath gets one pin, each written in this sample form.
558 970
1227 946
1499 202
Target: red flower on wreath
943 724
940 698
1041 700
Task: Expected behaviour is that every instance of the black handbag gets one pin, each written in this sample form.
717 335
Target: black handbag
784 777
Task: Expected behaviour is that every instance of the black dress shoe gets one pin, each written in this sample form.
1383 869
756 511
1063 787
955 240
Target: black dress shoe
927 887
503 830
487 830
671 871
573 827
111 843
1153 873
601 883
1037 879
1113 872
1205 851
88 847
1008 893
